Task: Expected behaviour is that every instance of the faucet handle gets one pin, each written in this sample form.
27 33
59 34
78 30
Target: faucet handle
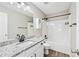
18 36
22 36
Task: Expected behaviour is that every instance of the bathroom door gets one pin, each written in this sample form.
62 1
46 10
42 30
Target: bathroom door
3 27
75 32
58 35
74 29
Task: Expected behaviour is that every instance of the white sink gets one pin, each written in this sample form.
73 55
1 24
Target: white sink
25 44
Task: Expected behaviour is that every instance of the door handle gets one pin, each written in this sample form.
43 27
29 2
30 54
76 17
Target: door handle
41 43
74 24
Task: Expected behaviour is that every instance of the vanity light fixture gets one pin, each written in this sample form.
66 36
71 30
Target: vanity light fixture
24 8
18 5
28 7
21 5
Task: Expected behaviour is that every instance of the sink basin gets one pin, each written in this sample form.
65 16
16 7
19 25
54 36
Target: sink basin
25 43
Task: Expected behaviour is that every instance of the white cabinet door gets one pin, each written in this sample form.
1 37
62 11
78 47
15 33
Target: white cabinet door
32 55
3 26
21 55
36 51
24 54
40 51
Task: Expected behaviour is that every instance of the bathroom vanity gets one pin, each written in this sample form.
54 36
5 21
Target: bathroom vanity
35 50
29 48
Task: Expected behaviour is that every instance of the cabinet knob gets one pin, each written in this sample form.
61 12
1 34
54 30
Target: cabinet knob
70 25
44 42
31 56
35 54
41 43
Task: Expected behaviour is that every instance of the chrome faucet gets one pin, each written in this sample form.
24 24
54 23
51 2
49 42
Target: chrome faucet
20 38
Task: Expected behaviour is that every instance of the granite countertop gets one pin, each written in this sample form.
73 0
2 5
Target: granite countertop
13 49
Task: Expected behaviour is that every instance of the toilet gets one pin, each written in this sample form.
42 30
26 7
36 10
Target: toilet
46 48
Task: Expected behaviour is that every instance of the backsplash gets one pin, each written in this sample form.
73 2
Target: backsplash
5 43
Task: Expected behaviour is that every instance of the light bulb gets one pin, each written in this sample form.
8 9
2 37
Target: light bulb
11 2
24 9
18 6
22 3
28 7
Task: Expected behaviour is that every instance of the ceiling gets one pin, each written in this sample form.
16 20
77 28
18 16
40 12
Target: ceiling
49 8
41 8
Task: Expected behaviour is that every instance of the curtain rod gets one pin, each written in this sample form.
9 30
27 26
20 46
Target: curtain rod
55 16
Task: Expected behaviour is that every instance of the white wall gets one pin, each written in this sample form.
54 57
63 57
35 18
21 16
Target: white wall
15 20
77 27
36 11
77 20
72 19
3 26
44 28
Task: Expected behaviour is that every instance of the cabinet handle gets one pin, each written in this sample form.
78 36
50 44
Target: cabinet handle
31 56
35 54
41 43
44 42
70 25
